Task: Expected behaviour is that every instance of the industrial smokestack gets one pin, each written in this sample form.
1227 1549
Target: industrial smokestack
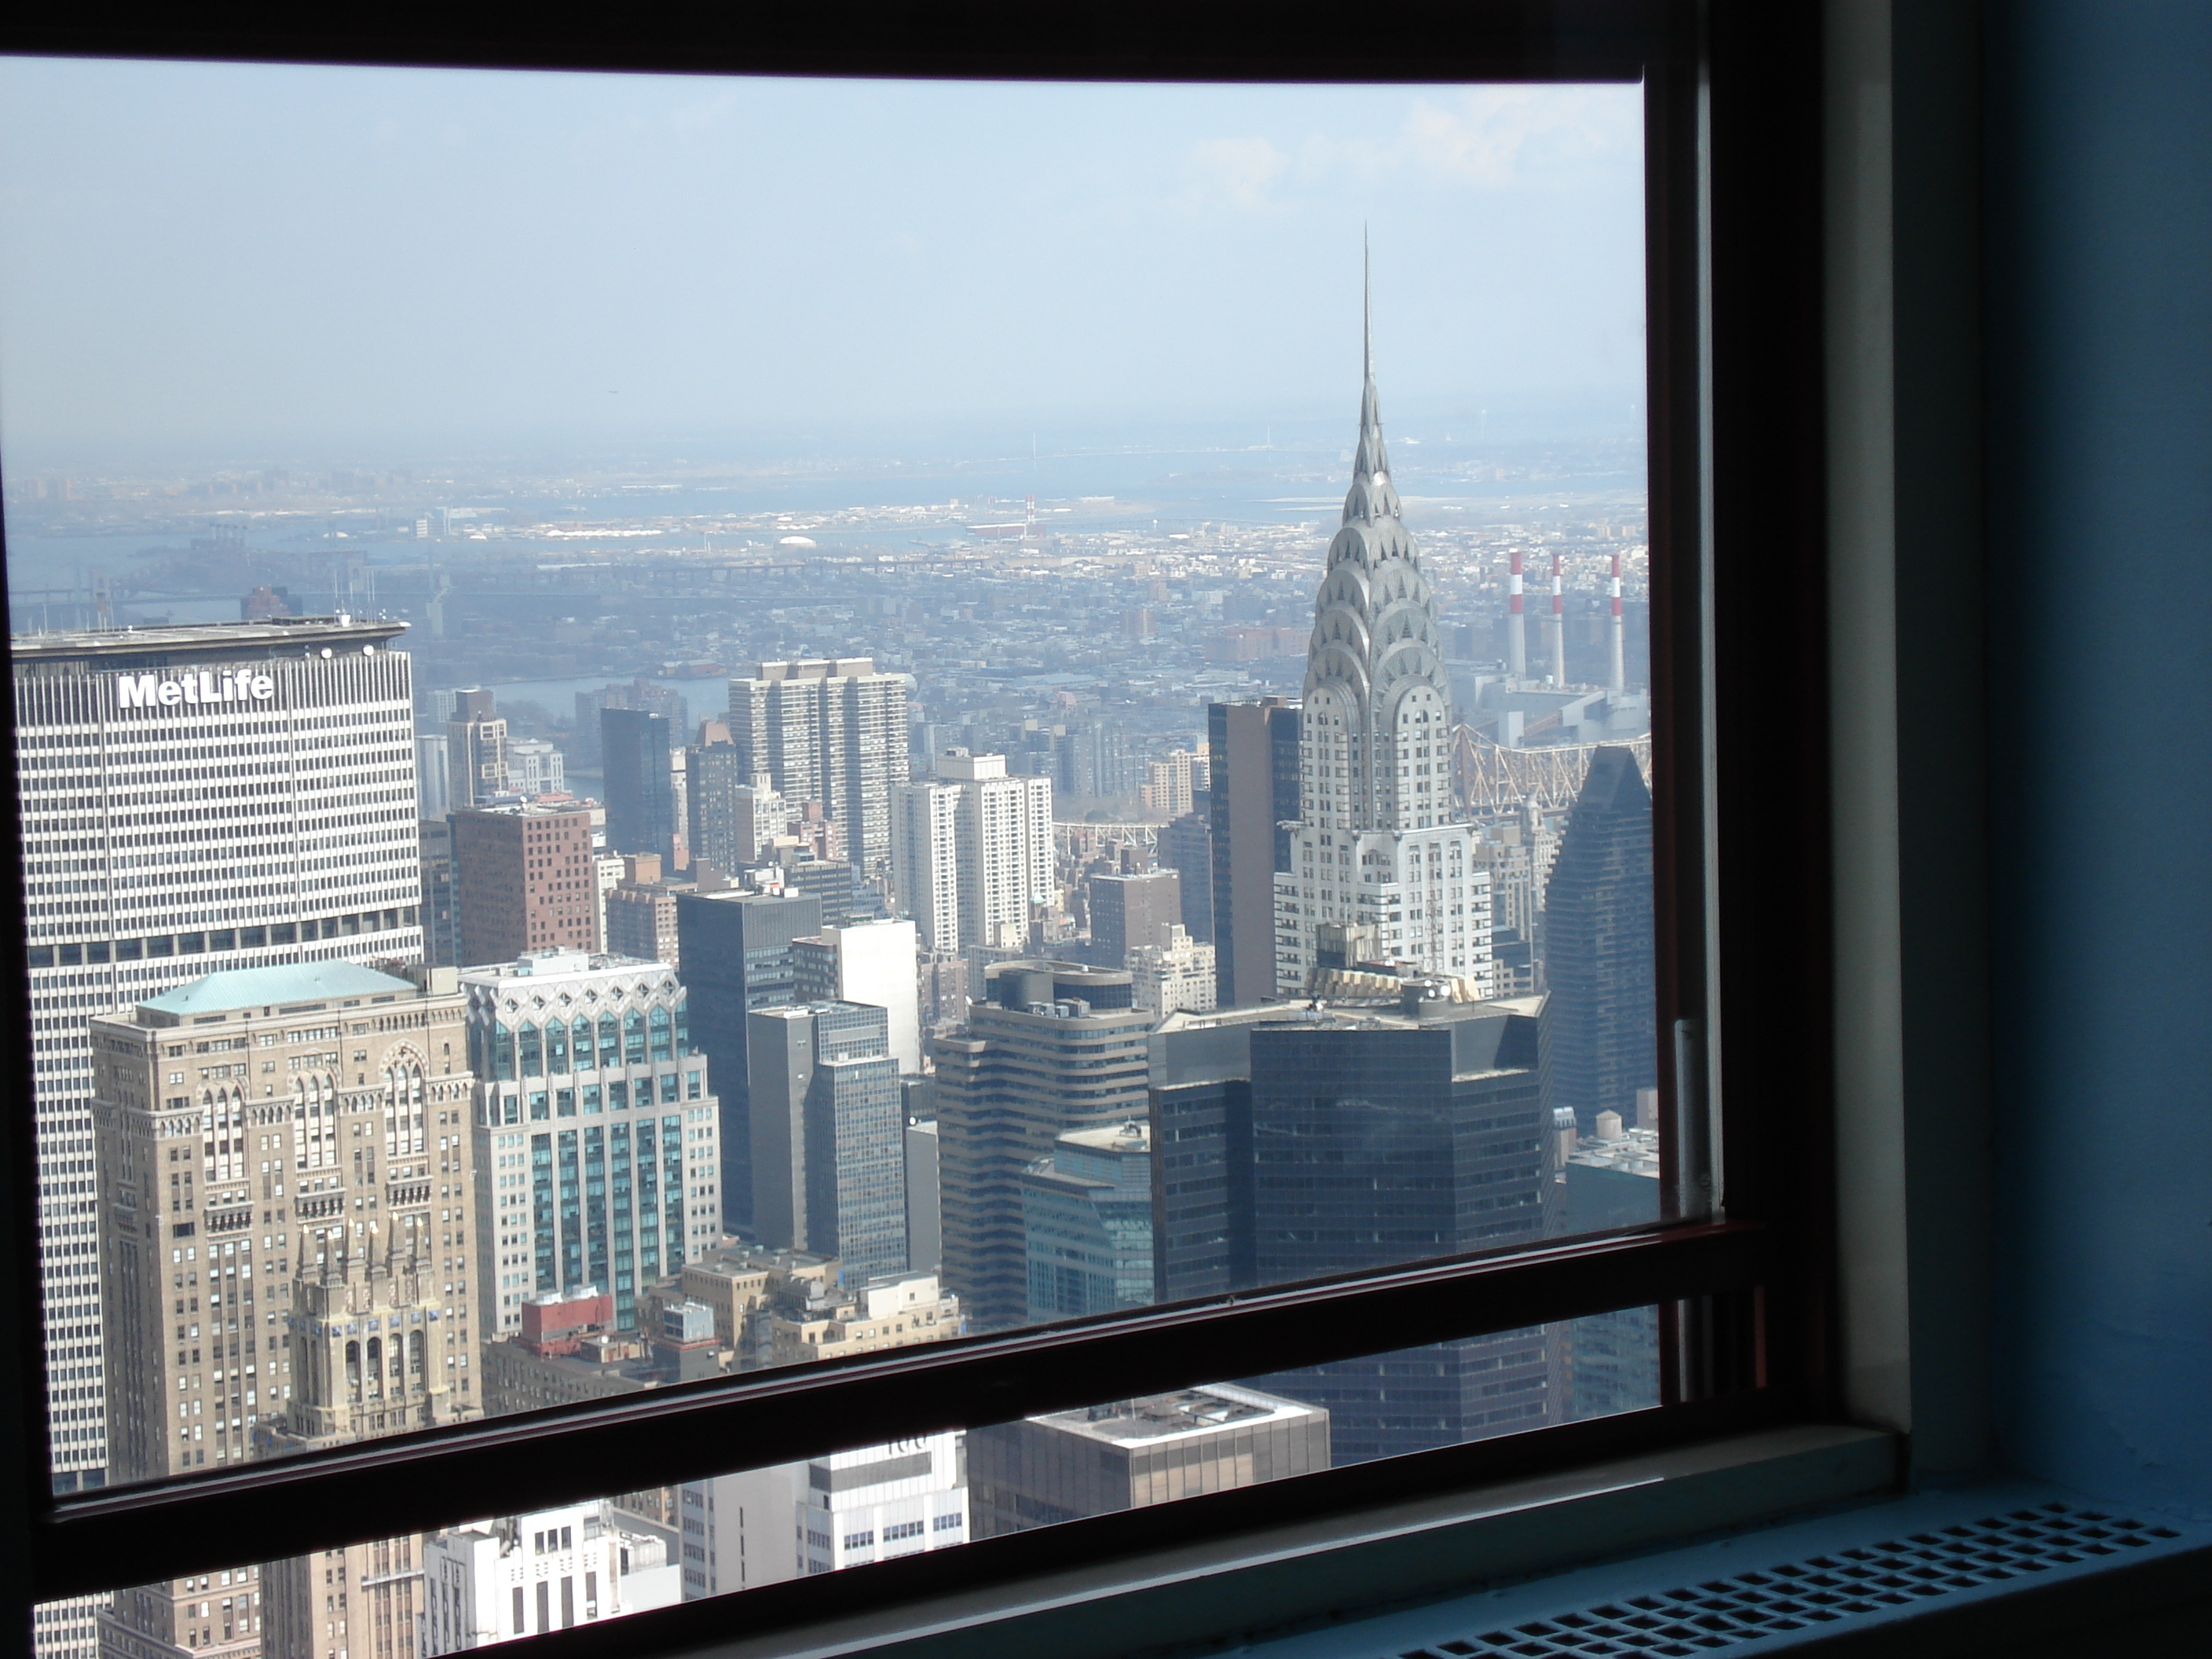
1516 627
1558 625
1617 679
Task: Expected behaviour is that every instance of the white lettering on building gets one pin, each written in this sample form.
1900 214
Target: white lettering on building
204 688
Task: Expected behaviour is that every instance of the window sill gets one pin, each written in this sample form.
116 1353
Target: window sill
1328 1569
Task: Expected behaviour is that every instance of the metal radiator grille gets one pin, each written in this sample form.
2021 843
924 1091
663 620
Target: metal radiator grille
1800 1595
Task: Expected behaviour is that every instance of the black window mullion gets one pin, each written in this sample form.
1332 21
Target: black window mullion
414 1483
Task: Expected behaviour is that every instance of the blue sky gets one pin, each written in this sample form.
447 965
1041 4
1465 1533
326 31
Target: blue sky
239 263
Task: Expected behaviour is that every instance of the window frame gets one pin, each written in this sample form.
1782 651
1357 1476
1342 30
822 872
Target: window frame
1735 452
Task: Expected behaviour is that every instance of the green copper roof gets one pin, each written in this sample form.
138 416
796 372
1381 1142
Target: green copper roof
257 988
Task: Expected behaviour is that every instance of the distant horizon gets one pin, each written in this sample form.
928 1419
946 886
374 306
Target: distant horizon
239 265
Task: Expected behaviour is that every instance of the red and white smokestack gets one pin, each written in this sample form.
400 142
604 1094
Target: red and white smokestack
1558 623
1516 627
1617 680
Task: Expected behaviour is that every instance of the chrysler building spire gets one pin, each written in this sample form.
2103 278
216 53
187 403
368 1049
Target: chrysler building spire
1380 868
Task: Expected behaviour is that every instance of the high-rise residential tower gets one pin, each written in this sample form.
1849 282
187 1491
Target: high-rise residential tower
972 852
831 731
193 798
476 752
1600 1023
1376 852
595 1128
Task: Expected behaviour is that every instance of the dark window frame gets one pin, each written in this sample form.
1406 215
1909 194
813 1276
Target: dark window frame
1736 468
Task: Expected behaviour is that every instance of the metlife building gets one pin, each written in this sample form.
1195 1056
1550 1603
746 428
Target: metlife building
194 798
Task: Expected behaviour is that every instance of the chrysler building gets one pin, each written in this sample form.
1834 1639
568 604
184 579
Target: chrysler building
1379 870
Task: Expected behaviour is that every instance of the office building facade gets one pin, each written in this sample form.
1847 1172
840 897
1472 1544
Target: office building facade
1128 911
285 1171
828 1134
636 746
1087 1224
523 880
1601 1018
1131 1454
1187 848
1052 1047
193 798
1429 1126
738 951
596 1131
476 752
1254 796
870 962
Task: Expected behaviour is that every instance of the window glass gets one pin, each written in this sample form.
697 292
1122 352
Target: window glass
1077 808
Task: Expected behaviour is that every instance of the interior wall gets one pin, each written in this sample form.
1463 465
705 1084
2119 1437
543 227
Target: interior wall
2098 157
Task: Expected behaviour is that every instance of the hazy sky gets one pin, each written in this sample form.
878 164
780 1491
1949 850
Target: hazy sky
247 262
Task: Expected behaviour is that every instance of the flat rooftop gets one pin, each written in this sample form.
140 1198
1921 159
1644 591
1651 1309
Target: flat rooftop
1161 1417
275 636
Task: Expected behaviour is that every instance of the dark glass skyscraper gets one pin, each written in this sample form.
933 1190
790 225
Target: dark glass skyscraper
1600 1038
1386 1141
641 782
738 958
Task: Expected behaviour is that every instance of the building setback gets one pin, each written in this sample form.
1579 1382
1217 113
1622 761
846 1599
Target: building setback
1053 1047
1039 1471
595 1128
524 879
1602 1036
193 798
739 956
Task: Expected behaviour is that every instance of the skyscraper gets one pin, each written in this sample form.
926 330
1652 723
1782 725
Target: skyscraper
1187 848
1255 793
524 880
737 956
476 752
1601 1036
831 731
972 851
1428 1126
1053 1047
828 1134
345 1321
870 962
640 783
1129 911
735 815
1376 851
1087 1222
193 798
596 1127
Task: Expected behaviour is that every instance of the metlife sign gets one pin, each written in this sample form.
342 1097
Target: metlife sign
202 689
